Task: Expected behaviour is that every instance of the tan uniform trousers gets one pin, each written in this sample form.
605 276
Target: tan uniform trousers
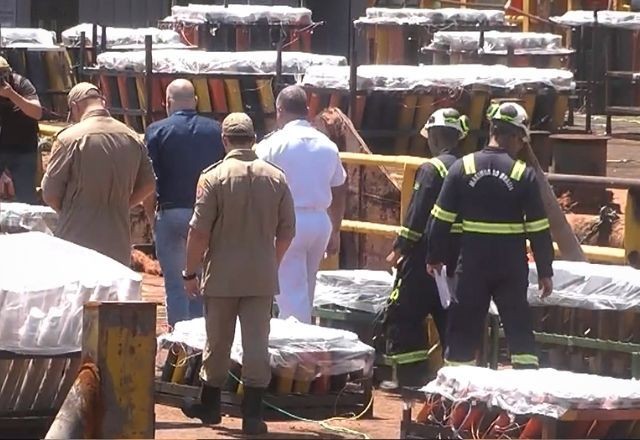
220 317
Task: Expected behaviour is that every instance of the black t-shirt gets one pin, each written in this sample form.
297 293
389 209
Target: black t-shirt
18 132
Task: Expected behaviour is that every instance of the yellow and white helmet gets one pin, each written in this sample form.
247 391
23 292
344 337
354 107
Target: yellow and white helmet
511 113
447 117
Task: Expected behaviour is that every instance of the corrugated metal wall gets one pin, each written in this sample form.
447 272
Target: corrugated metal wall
125 13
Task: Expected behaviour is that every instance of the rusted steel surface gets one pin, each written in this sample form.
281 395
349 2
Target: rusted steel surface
373 196
81 412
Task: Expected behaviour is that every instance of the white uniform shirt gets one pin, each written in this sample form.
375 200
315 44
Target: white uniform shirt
310 161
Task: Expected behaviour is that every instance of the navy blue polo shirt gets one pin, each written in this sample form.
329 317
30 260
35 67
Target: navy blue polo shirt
180 147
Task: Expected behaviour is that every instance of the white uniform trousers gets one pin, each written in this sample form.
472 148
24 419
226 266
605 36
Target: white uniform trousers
297 274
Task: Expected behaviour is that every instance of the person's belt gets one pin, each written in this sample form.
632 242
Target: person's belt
169 205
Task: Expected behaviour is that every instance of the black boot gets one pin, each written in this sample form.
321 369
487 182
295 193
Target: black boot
252 423
208 410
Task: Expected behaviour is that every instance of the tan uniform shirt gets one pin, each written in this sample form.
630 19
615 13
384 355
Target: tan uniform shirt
95 166
244 203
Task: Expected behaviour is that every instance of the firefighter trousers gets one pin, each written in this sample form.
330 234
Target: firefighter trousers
415 296
477 285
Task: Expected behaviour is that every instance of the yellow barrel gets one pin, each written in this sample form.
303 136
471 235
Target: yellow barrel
285 376
202 92
435 360
305 373
381 43
560 107
234 96
181 365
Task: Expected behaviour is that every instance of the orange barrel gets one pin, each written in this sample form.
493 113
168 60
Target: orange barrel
358 114
315 104
533 429
243 38
397 45
498 426
322 383
294 41
306 41
157 98
579 429
217 96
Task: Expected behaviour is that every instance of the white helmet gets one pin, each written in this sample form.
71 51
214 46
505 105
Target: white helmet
511 113
447 117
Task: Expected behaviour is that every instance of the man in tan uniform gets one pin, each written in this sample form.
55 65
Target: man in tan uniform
243 224
98 170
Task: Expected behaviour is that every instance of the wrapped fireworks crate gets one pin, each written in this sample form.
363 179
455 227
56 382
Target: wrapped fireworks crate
396 35
44 285
515 49
224 81
472 402
21 217
412 93
242 27
35 54
315 370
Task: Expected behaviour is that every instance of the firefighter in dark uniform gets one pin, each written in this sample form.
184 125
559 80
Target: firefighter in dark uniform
497 199
415 295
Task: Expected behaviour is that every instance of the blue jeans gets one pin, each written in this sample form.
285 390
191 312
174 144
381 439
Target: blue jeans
23 168
172 227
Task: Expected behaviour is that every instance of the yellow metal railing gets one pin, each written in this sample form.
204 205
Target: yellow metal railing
410 165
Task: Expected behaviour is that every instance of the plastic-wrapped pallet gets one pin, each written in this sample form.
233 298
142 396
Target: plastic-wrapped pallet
616 19
123 38
44 284
201 62
544 392
239 14
495 41
419 16
291 343
364 290
399 78
27 38
21 217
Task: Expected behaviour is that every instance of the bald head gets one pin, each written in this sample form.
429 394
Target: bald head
291 104
181 95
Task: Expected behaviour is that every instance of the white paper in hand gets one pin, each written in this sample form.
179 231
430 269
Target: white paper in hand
444 290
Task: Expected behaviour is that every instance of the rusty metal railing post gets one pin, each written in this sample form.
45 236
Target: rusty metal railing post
113 395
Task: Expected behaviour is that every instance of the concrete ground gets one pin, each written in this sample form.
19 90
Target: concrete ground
623 161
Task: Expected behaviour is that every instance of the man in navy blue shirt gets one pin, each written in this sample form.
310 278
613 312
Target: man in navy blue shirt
180 147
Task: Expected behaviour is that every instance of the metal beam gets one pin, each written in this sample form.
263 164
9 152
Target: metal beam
120 339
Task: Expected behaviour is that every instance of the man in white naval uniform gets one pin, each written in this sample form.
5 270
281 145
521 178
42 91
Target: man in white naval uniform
317 180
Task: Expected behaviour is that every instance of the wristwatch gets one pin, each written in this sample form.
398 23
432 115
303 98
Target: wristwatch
188 276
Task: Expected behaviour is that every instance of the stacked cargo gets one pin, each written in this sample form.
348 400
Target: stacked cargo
242 27
225 81
44 285
396 35
470 402
329 368
412 93
35 54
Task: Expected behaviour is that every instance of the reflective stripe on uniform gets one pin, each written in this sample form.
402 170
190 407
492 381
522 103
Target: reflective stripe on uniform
448 363
493 228
444 215
518 170
456 228
524 359
469 164
409 234
440 167
537 226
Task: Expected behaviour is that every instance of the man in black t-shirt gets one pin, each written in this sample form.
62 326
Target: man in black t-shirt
20 111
